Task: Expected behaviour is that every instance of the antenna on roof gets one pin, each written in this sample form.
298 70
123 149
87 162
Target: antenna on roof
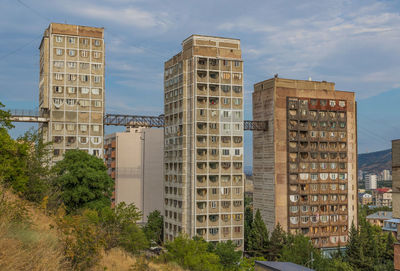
276 75
309 78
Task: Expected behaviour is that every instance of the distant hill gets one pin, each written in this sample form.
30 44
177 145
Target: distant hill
375 162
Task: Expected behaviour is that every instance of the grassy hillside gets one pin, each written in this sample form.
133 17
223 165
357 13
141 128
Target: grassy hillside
375 162
29 240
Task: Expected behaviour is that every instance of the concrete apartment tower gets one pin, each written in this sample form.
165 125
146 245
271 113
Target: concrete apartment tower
396 197
71 88
203 148
135 163
305 165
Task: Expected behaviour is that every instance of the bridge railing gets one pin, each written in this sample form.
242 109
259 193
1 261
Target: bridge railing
24 112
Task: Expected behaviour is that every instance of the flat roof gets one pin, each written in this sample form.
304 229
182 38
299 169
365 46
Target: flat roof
283 266
205 36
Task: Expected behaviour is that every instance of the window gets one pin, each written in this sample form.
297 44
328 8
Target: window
213 125
84 103
58 76
226 114
85 41
237 101
71 77
226 126
71 40
236 63
59 52
85 78
214 191
237 190
225 152
225 191
59 64
97 43
59 39
213 139
97 79
70 102
225 88
83 127
213 231
96 54
226 75
97 103
70 127
95 140
225 101
58 89
58 126
71 90
213 204
237 76
96 128
342 103
96 67
71 52
237 152
57 102
84 90
237 89
84 53
84 66
332 103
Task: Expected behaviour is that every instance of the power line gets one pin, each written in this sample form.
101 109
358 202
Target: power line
34 11
19 48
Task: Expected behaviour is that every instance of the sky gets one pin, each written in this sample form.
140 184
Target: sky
352 43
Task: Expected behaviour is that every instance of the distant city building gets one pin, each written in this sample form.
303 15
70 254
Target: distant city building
365 198
379 217
396 197
71 88
360 175
203 149
305 165
371 181
135 163
391 225
386 176
382 197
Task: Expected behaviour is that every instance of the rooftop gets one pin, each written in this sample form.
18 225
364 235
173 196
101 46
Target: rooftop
283 266
380 215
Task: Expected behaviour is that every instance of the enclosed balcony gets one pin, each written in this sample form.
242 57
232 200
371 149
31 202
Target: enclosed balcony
201 194
201 221
201 207
213 64
214 90
201 128
202 63
202 76
213 77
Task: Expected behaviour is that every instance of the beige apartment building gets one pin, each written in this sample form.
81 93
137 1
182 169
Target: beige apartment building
203 148
71 88
396 197
304 166
135 162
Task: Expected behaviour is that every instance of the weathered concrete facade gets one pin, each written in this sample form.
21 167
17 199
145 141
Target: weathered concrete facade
396 196
135 163
304 166
71 88
203 151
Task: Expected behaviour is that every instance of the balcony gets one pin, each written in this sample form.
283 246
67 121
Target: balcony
202 76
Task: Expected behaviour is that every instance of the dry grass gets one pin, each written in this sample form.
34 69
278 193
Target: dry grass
33 243
23 245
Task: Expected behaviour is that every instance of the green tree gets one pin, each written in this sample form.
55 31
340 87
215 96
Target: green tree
258 243
38 170
13 158
83 181
229 257
248 221
133 239
192 254
277 241
299 250
5 118
154 227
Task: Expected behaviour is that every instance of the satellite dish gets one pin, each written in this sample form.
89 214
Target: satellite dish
309 78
